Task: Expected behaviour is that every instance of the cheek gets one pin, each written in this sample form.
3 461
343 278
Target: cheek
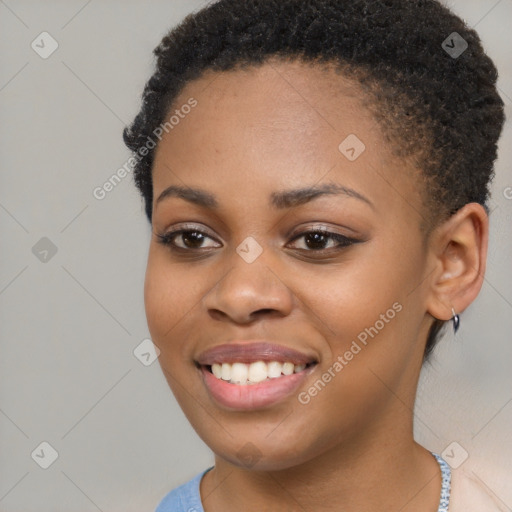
367 300
349 298
169 303
168 297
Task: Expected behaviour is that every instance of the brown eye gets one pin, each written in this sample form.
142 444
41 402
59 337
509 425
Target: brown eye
191 239
185 239
319 240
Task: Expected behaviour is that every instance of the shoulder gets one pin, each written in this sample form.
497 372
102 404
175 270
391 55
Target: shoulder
185 498
469 494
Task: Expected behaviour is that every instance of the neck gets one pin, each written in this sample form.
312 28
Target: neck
372 471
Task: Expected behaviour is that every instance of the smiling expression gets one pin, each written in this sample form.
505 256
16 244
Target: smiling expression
264 231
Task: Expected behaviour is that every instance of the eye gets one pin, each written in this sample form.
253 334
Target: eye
320 239
191 238
187 238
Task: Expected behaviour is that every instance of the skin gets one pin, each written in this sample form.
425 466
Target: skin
274 128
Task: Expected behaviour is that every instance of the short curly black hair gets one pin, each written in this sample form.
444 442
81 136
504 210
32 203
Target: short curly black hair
435 104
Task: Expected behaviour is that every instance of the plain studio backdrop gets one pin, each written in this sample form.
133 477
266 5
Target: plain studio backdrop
76 393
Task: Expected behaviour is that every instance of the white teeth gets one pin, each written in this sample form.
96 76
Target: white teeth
298 368
217 370
226 371
257 371
288 368
239 373
274 369
252 373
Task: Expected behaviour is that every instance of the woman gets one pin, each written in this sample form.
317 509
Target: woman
316 176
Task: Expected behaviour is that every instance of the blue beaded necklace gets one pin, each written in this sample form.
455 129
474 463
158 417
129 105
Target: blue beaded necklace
446 473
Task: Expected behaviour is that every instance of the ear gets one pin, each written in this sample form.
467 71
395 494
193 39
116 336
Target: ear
458 253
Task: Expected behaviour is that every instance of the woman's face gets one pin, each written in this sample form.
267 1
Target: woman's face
252 279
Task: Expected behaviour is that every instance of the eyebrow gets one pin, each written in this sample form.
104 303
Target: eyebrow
278 200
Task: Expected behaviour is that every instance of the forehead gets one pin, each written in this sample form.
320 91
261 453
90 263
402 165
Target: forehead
273 103
279 125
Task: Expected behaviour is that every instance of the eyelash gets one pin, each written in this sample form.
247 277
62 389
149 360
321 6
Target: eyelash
167 239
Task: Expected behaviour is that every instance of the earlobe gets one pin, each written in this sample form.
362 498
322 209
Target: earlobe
458 251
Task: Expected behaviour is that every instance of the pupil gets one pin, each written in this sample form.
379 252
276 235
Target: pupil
194 237
317 238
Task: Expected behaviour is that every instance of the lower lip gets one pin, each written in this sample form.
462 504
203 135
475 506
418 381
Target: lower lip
253 396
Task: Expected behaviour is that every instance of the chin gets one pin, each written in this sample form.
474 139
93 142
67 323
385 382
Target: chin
256 451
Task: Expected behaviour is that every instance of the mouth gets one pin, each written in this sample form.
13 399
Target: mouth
244 376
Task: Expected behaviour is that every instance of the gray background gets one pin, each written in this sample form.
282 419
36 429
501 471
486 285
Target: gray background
69 326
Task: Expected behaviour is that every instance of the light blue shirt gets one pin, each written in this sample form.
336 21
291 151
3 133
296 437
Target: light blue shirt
187 497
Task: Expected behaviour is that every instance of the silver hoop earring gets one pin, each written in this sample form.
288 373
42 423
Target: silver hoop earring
456 321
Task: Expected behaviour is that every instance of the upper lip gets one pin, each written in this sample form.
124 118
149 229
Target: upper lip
250 352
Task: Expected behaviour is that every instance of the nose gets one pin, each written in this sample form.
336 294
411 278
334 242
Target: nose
249 291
